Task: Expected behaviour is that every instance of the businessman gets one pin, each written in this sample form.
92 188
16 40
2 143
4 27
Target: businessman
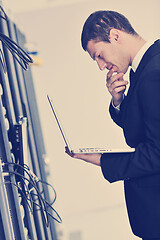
113 44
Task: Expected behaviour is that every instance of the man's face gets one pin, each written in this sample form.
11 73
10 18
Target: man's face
108 55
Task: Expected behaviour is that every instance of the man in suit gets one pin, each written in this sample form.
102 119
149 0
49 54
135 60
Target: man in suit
112 42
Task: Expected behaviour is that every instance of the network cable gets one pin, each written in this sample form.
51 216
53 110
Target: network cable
43 205
20 189
43 182
5 17
32 176
41 199
40 208
2 60
18 53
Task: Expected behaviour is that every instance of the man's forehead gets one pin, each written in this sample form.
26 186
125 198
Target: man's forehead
91 44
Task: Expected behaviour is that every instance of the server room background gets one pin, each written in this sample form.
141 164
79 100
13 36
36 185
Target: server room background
90 207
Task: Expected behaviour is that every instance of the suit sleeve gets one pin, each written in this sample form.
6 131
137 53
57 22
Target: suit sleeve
146 158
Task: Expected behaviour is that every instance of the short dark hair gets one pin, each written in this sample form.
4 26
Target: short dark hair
98 25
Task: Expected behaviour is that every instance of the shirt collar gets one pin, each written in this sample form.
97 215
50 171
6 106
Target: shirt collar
140 54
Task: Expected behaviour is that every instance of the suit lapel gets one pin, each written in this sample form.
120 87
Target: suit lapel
134 77
149 54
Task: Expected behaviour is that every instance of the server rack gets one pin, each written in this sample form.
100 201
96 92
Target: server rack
21 143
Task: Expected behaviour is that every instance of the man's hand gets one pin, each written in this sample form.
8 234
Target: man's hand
116 85
91 158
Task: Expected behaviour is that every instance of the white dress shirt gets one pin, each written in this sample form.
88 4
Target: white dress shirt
136 62
139 55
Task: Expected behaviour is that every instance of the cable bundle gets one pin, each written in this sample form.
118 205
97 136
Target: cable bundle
30 192
18 53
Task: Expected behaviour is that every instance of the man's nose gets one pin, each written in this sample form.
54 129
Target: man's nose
101 64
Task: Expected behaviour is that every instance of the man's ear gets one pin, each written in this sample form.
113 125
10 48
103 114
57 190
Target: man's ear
114 35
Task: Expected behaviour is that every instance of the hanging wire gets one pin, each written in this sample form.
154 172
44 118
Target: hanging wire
44 205
5 17
18 53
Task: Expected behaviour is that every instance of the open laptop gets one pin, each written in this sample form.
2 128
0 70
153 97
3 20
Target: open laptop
84 150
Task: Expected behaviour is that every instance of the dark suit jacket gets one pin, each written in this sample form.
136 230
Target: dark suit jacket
139 118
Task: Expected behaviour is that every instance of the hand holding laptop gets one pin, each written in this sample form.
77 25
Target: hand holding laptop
94 154
91 158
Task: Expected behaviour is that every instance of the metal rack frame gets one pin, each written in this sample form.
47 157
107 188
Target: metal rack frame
18 107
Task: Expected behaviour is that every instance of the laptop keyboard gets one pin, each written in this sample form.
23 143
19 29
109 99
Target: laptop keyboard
85 150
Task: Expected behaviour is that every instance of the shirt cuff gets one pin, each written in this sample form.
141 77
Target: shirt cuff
117 108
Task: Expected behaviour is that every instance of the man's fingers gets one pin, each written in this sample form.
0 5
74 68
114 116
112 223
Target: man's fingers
113 78
68 152
119 89
116 84
110 73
